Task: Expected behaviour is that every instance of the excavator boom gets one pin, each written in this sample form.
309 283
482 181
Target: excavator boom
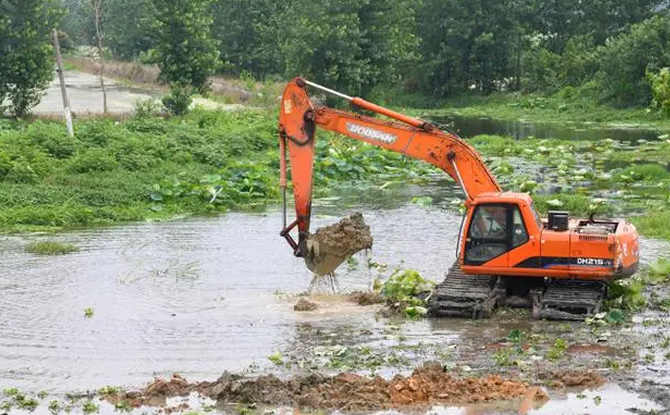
418 139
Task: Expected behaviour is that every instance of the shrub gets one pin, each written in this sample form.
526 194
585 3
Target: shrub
146 108
660 89
94 159
179 100
52 138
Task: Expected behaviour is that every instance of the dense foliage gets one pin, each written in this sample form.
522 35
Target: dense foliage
185 50
26 64
435 47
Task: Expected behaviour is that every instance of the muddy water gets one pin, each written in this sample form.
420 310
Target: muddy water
205 295
468 126
196 296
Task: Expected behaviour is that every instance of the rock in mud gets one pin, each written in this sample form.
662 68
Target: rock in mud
304 304
331 245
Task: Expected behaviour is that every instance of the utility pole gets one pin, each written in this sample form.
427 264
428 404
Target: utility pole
100 35
61 76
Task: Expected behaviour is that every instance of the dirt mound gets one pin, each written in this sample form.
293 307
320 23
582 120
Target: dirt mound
329 246
430 384
576 378
304 304
366 298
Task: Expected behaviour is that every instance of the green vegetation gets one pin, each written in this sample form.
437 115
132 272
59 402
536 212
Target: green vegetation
407 291
26 67
50 248
629 294
89 407
88 312
363 357
18 399
276 358
149 168
557 350
184 49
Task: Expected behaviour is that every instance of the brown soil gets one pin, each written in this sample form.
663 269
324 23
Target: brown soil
304 304
430 384
329 246
575 378
590 348
366 298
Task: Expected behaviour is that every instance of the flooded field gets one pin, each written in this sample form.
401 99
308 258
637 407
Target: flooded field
202 296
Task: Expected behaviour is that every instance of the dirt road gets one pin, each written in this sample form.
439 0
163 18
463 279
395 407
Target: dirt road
86 95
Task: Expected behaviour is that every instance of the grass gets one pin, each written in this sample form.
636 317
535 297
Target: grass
50 248
150 168
653 224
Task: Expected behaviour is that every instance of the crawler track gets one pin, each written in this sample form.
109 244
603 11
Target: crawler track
570 300
461 295
476 296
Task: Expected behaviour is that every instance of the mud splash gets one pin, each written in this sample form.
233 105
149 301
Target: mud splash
427 385
329 246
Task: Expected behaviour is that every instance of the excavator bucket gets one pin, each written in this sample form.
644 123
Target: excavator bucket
329 246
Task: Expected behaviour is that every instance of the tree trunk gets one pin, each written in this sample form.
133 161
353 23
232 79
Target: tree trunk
97 6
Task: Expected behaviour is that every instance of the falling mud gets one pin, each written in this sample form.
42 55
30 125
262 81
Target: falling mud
331 245
427 385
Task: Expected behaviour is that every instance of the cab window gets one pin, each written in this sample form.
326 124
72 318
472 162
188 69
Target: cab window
519 232
487 236
494 230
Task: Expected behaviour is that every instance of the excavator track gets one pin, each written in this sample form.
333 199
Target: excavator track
570 300
462 295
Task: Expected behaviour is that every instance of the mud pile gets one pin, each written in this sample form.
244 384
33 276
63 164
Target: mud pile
304 304
576 378
365 298
430 384
331 245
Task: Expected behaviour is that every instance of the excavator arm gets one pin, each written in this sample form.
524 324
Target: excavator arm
299 119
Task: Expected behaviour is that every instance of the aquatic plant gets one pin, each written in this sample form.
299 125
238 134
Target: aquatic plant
557 350
50 248
276 358
89 407
408 291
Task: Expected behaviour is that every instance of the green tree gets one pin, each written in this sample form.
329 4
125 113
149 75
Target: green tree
350 45
247 34
128 34
468 43
184 48
626 59
26 64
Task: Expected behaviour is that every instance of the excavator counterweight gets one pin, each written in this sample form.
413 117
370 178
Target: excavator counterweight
507 254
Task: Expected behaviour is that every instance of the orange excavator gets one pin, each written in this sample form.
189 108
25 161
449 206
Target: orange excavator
507 255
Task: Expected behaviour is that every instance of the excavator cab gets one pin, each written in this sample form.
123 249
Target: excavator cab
495 229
